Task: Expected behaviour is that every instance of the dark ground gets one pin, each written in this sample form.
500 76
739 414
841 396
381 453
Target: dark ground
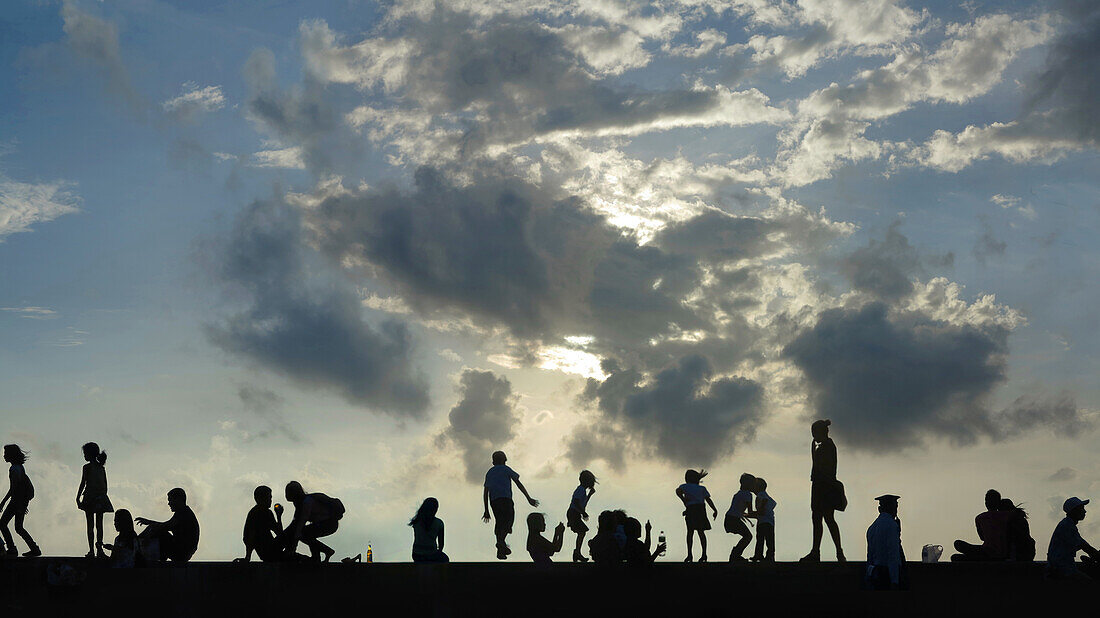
518 589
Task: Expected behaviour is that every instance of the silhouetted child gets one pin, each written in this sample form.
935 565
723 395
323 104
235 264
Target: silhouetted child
736 516
20 493
262 529
91 496
428 533
577 513
637 551
498 495
124 549
765 526
539 546
696 498
604 547
175 539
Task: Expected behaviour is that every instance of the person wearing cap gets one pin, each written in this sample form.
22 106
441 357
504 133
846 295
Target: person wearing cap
884 554
1066 542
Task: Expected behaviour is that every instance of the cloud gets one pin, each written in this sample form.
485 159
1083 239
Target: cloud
1063 475
483 421
267 405
96 40
193 101
307 329
887 268
465 87
895 380
685 415
23 204
32 313
1058 116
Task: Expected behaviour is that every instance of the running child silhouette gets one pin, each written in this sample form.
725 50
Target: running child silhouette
696 498
20 493
737 517
498 495
91 496
578 511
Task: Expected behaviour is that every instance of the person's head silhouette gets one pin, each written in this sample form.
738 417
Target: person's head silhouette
605 523
92 453
992 500
747 481
499 458
633 528
888 504
124 522
760 485
262 495
820 429
15 455
536 523
294 492
425 515
587 479
1075 508
177 498
694 477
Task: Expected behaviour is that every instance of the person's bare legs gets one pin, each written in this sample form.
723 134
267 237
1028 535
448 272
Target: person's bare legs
91 533
689 545
577 555
815 552
834 531
99 535
703 545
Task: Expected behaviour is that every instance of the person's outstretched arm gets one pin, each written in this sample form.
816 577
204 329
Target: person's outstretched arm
485 499
658 551
278 529
648 535
713 508
523 489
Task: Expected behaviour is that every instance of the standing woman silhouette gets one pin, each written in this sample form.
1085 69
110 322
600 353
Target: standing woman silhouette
91 496
826 493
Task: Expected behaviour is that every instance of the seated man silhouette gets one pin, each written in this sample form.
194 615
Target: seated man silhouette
178 537
315 515
992 528
262 529
1066 542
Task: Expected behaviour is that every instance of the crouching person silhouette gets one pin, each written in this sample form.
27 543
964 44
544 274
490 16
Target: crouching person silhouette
177 538
315 515
262 529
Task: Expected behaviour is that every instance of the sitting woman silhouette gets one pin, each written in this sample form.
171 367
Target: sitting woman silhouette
428 533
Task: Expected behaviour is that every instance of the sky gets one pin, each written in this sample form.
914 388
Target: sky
363 245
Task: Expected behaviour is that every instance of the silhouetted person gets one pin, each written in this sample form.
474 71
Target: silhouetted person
91 496
316 515
577 513
541 548
604 547
765 526
1066 542
826 492
428 533
735 521
992 526
262 528
885 558
1021 547
178 538
696 498
18 499
498 496
124 549
637 551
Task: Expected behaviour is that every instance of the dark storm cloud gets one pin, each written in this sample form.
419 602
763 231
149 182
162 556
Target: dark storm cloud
684 415
894 381
887 268
308 329
483 421
1064 96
